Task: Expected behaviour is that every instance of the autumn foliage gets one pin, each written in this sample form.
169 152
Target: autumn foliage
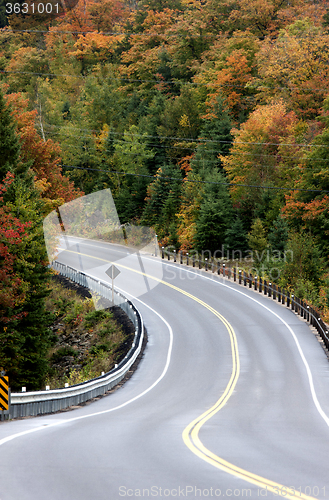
12 231
207 119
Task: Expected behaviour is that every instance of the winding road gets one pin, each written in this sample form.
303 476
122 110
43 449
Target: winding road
231 400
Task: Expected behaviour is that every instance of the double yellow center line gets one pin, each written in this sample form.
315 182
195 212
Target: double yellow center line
191 432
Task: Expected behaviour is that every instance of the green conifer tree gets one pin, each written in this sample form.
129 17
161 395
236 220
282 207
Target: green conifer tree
217 141
257 240
24 335
9 146
214 217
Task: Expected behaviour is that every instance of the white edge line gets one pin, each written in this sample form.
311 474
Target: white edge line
213 280
307 367
24 433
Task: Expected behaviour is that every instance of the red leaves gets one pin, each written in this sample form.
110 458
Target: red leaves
310 211
12 231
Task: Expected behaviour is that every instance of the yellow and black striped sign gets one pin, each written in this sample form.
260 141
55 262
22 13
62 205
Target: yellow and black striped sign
4 393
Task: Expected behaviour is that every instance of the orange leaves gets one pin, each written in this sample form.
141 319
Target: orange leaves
256 154
105 14
24 66
171 43
143 58
185 163
230 82
305 211
91 15
95 47
44 156
260 15
228 67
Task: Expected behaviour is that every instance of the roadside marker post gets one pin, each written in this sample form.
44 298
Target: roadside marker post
4 393
112 272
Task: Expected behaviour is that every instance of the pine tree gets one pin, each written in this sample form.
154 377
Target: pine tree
278 235
257 240
3 17
31 267
214 217
236 239
162 202
9 145
216 133
24 333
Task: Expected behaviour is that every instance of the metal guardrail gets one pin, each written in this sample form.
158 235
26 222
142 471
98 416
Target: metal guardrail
268 288
41 402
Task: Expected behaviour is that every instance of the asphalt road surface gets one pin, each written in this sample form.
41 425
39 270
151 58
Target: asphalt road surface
231 400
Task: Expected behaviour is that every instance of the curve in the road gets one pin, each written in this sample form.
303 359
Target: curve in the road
190 434
164 371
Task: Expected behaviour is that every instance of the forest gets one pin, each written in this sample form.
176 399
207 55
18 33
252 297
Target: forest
207 119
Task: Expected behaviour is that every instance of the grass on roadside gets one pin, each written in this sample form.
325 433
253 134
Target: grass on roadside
88 341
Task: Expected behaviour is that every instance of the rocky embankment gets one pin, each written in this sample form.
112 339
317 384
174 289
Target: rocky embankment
80 342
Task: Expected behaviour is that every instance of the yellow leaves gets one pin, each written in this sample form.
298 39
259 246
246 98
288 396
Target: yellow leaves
184 121
296 67
95 46
102 137
42 185
158 22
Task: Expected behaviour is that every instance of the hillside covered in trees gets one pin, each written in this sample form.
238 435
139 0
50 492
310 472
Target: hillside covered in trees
207 119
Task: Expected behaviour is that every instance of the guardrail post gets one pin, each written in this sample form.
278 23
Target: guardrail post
168 254
187 258
260 285
199 262
250 280
283 293
240 276
269 289
274 291
244 278
313 318
292 302
193 260
308 313
181 257
255 283
218 267
224 270
174 255
265 287
206 264
279 294
234 273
